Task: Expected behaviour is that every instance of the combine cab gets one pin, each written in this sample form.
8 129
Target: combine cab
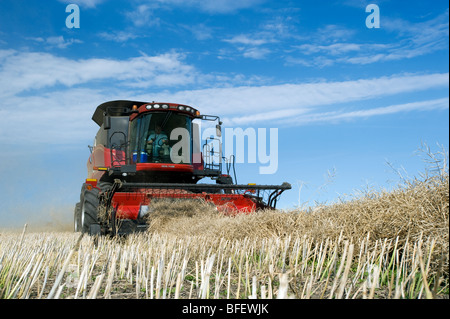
145 152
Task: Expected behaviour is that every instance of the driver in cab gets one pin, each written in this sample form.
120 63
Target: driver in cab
156 142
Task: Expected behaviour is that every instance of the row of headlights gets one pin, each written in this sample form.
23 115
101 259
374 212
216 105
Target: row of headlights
165 107
156 106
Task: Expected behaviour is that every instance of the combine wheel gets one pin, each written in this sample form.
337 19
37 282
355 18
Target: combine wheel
77 218
89 208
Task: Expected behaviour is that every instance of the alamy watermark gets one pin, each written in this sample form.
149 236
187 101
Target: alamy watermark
246 146
373 19
73 19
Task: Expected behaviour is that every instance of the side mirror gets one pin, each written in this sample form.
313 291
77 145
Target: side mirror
106 122
218 130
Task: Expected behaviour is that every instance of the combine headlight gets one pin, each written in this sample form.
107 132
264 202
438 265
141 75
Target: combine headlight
143 210
165 106
148 106
156 106
181 107
188 108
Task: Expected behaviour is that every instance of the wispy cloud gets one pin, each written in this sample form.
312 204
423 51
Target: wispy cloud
333 33
200 31
84 3
251 46
25 71
144 15
62 93
55 42
258 44
214 6
342 115
254 100
256 53
332 49
413 40
330 45
59 117
249 40
118 36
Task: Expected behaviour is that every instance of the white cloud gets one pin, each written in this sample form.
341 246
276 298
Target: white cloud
362 3
339 116
251 45
84 3
333 33
330 45
214 6
333 49
56 41
58 117
118 36
200 31
235 102
25 71
283 24
256 53
258 44
432 30
143 15
247 40
5 54
53 97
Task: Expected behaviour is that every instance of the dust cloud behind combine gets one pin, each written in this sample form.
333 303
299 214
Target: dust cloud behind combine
58 218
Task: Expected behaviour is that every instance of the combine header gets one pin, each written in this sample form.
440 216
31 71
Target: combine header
147 151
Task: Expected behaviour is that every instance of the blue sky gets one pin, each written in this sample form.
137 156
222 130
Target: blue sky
346 99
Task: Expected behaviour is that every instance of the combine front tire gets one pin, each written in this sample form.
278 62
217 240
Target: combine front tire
77 218
89 208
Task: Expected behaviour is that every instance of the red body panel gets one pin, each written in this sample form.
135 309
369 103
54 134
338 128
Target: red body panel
164 167
127 205
101 158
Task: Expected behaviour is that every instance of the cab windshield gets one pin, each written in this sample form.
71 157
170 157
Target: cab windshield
161 138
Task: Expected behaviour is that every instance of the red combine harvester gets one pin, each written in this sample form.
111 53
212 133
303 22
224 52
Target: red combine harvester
147 151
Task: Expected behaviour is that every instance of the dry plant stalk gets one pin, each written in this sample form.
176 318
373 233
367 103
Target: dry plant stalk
378 245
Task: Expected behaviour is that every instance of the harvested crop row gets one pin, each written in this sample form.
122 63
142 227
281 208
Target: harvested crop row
382 245
167 266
